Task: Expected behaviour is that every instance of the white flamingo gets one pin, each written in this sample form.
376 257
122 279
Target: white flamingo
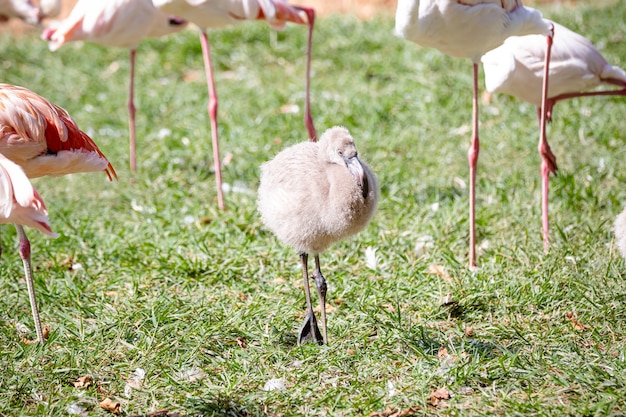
468 29
576 66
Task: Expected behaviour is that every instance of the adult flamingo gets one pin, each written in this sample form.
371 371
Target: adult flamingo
42 139
468 29
114 23
516 68
218 13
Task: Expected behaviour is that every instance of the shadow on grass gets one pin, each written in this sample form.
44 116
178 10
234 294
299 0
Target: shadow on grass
222 407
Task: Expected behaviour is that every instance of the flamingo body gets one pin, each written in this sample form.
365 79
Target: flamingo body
465 29
310 197
219 13
516 67
468 29
112 23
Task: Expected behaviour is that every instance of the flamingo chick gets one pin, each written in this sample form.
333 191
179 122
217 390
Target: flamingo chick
468 29
214 14
311 195
42 139
114 23
516 68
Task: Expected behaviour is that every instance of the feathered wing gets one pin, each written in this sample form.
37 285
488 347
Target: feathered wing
43 138
19 201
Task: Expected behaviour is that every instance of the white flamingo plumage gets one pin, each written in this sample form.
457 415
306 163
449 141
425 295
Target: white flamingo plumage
312 195
42 139
468 29
114 23
208 14
576 66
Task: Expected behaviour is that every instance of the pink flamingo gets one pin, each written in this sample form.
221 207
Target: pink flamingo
42 139
468 29
218 13
516 68
114 23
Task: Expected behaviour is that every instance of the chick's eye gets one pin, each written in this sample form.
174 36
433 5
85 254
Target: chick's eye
340 153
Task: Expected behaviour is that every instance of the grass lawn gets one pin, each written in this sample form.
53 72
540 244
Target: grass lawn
168 303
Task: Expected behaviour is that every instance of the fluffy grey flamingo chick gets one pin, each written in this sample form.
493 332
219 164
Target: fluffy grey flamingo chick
620 232
311 195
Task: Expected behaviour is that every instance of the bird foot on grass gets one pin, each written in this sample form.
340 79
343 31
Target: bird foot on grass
310 331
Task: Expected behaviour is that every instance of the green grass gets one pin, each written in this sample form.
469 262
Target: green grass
170 284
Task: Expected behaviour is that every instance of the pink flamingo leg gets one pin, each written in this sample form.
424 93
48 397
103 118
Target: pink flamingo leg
548 160
212 110
28 270
308 119
472 156
131 112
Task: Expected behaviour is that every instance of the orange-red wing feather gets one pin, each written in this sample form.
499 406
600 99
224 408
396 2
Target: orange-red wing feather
33 126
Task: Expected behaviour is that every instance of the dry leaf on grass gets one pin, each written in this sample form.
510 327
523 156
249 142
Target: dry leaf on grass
577 324
46 333
440 271
83 381
438 395
442 353
111 406
241 342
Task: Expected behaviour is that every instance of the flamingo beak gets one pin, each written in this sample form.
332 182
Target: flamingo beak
356 169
